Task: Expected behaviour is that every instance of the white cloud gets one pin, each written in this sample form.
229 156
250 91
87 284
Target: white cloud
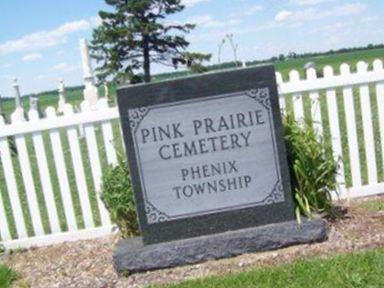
6 76
47 38
332 28
191 3
32 57
203 20
283 15
247 10
95 21
348 9
4 66
310 14
207 21
309 2
64 67
60 52
252 10
216 35
369 19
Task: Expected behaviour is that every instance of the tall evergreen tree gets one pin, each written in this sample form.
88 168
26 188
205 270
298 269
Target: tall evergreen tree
137 34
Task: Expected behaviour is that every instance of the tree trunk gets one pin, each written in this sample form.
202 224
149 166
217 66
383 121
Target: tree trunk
147 64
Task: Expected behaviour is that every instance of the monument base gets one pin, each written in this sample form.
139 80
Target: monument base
132 256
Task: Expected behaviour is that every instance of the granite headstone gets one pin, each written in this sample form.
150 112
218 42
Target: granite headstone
207 156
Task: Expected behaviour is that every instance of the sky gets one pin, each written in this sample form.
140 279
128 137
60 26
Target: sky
39 40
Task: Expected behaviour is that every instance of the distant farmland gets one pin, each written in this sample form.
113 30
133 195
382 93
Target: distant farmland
74 94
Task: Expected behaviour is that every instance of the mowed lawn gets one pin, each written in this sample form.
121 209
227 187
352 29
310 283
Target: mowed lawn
74 96
359 269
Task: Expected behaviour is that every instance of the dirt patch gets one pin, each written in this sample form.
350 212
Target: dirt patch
89 263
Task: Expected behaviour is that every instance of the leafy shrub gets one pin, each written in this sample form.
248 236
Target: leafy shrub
117 195
312 169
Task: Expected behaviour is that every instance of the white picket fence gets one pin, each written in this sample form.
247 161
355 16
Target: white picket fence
367 83
72 123
50 141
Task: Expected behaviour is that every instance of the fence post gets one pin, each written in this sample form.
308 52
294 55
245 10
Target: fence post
91 95
62 100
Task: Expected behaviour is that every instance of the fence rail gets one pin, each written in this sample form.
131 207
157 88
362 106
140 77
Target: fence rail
51 168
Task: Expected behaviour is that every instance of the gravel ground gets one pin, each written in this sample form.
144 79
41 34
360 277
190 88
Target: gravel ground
89 263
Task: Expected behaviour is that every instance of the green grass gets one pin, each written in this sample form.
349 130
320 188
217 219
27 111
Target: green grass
7 276
334 60
364 269
372 206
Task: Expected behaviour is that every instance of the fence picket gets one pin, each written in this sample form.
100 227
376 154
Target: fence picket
10 181
350 116
94 159
58 158
106 127
4 227
378 67
279 81
298 107
26 174
79 170
45 178
315 104
366 114
335 130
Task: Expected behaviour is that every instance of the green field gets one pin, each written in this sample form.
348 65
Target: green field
364 269
74 96
334 60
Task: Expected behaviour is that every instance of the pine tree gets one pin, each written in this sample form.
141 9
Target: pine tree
137 34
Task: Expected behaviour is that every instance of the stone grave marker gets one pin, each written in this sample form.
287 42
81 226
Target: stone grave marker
209 170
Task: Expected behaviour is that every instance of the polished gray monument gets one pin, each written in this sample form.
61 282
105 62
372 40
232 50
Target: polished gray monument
208 166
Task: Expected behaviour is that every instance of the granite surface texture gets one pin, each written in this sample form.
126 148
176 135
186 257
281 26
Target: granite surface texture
140 98
132 256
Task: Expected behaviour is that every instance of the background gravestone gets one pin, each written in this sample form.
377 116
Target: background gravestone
206 156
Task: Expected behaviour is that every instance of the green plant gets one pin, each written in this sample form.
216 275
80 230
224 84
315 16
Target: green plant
117 195
7 276
312 169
